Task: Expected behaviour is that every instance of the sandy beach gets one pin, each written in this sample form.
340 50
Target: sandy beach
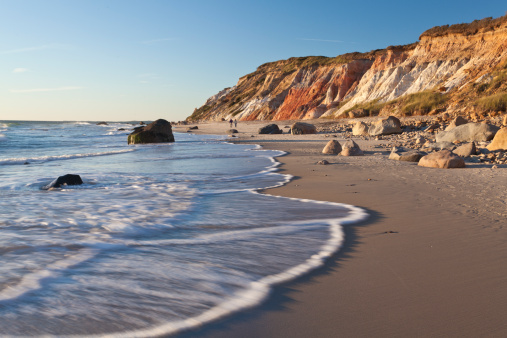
429 261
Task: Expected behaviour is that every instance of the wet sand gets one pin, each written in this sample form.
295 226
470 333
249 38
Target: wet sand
430 260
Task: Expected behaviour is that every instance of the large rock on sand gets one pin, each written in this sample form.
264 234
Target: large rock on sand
270 129
499 141
360 129
159 131
300 128
350 148
470 132
69 179
405 154
333 147
387 126
444 159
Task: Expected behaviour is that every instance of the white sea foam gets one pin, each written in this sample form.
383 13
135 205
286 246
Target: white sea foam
23 160
32 281
258 290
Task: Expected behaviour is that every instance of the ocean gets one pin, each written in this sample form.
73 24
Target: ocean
160 238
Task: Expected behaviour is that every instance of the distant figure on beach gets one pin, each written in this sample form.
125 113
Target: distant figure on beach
235 123
230 123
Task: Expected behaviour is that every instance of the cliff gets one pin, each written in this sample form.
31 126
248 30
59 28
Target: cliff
453 68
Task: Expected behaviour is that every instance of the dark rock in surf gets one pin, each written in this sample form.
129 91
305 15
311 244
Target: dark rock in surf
102 124
159 131
68 179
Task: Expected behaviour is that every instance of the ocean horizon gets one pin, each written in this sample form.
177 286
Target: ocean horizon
158 239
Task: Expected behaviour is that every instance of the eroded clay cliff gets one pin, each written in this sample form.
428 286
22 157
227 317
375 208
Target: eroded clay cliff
452 66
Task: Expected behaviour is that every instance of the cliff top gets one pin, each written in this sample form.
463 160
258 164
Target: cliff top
476 26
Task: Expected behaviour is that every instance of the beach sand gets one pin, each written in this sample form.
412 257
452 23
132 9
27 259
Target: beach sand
431 260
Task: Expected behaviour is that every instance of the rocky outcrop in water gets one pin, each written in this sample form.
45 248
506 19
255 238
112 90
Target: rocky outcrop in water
159 131
69 179
460 68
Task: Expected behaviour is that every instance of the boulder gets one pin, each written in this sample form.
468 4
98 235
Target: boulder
159 131
232 131
499 141
360 129
405 154
193 128
102 124
69 179
300 128
323 162
458 121
333 147
466 150
387 126
444 159
470 132
270 129
350 148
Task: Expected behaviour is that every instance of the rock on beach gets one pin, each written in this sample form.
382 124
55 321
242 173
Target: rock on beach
444 159
350 148
333 147
300 128
387 126
407 155
469 132
499 141
270 129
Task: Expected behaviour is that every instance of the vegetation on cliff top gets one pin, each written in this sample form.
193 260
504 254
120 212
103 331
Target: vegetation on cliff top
484 25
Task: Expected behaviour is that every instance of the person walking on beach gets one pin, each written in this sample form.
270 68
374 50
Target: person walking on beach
230 122
235 123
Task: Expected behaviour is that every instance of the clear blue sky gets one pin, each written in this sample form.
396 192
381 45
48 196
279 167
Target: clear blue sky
143 60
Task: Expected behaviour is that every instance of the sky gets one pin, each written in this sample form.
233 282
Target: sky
126 60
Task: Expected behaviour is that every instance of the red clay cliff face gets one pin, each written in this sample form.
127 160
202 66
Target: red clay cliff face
313 87
321 89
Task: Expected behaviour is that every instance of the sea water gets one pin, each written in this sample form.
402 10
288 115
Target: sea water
159 238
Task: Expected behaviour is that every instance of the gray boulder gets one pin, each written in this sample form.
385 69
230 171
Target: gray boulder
300 128
405 154
270 129
387 126
350 148
69 179
159 131
470 132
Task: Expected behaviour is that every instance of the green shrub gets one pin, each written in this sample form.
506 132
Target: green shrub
494 102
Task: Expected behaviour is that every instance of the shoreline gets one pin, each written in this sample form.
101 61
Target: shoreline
428 261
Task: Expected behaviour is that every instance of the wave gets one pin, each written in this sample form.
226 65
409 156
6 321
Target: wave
24 160
258 290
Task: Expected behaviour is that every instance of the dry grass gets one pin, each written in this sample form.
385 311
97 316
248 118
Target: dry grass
496 102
